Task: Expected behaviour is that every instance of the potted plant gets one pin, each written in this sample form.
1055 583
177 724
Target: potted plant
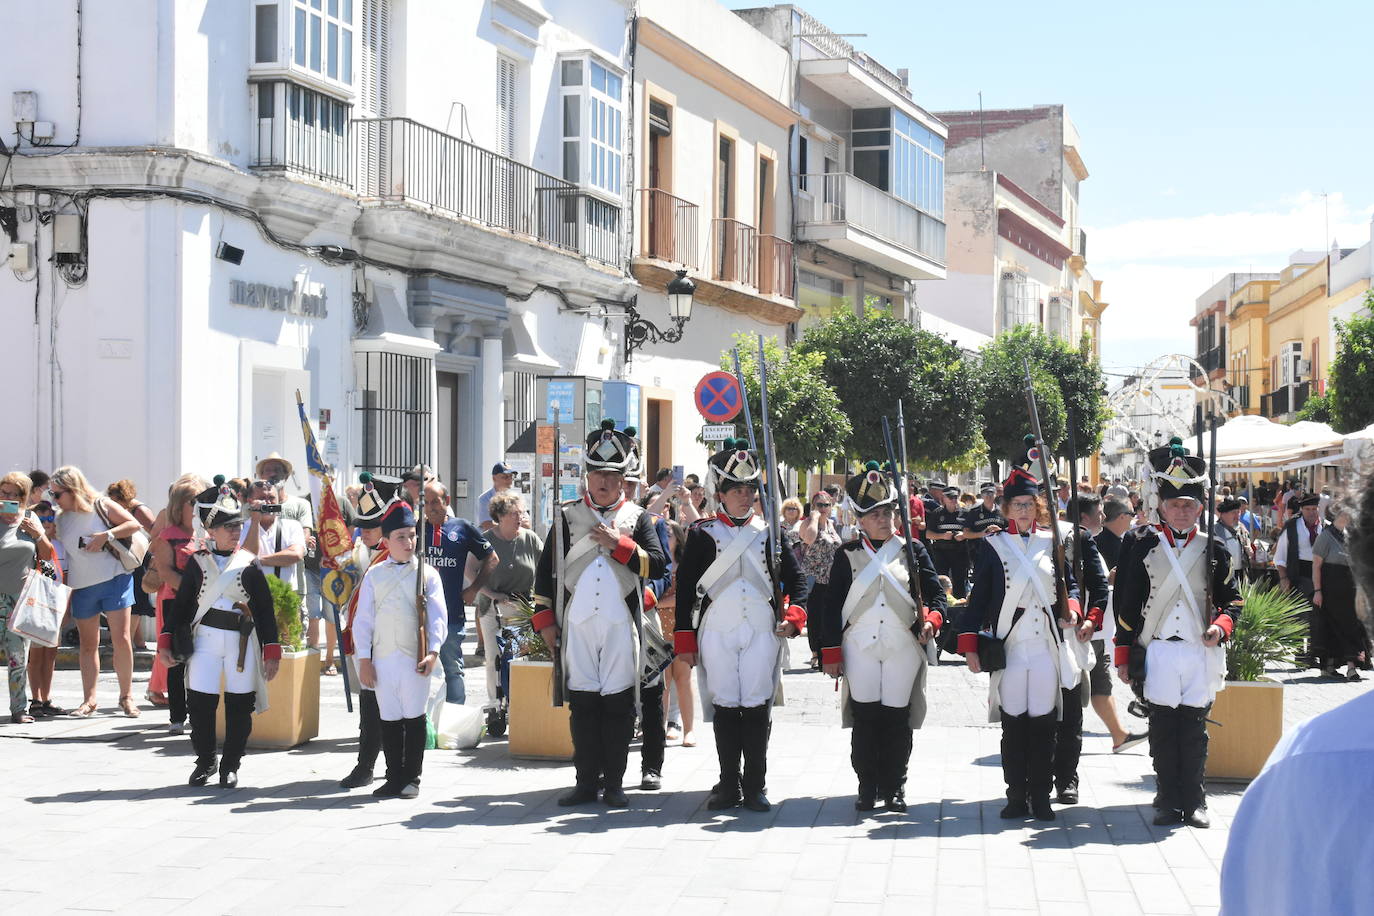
538 729
293 713
1249 712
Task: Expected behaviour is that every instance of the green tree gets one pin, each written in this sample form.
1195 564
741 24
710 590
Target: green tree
1351 382
1317 409
1077 375
876 360
808 424
1006 420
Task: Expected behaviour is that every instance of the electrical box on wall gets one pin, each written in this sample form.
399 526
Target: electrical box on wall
25 105
66 233
21 256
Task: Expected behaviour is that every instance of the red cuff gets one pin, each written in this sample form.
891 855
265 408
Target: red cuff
271 651
1123 656
540 620
1095 615
936 619
624 550
1076 608
832 655
649 599
968 642
795 614
684 641
1226 622
164 641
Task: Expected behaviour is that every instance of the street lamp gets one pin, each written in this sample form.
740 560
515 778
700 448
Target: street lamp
639 331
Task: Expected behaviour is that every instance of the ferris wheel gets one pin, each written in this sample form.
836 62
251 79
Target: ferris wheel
1139 399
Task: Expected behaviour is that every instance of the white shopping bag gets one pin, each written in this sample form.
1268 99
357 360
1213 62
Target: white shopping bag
459 727
37 615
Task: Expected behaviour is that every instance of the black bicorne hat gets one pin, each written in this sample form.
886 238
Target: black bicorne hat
610 449
1022 480
870 489
378 493
396 516
734 465
218 505
1176 474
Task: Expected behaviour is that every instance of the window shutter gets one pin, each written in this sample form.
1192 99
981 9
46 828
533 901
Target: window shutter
506 112
375 94
1313 368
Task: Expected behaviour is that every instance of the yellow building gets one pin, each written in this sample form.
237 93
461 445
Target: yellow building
1296 327
1247 333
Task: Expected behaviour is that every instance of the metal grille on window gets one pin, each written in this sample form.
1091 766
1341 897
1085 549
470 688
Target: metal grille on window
394 410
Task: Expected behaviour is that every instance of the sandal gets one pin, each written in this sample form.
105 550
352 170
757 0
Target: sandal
50 710
689 740
84 711
331 671
815 663
126 703
22 718
36 709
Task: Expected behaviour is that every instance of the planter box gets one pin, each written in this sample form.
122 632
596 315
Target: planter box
293 696
1251 717
538 729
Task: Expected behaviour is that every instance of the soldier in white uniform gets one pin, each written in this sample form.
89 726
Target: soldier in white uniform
226 606
609 548
731 620
874 625
1012 609
1168 638
386 638
369 549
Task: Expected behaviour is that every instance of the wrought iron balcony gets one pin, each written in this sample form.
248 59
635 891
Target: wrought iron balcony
400 160
775 266
830 205
1301 392
1278 402
301 131
734 252
669 227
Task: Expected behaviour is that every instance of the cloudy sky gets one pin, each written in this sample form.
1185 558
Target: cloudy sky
1211 130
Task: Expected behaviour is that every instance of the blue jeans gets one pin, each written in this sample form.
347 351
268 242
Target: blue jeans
451 657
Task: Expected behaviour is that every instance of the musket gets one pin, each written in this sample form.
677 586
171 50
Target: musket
898 474
421 605
1074 508
1209 608
768 488
556 532
1060 586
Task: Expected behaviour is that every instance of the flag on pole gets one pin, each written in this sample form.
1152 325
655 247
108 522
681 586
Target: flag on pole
330 529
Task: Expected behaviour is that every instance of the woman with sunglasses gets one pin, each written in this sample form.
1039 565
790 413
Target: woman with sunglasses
22 544
99 583
820 538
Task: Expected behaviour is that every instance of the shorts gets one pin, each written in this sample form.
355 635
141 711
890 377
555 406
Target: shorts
313 599
111 595
1100 676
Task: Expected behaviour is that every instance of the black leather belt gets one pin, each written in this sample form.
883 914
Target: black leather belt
222 620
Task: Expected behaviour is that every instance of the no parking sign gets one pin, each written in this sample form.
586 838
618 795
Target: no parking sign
718 397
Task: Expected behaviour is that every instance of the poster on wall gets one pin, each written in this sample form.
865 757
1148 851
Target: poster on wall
561 398
543 440
570 472
593 409
523 466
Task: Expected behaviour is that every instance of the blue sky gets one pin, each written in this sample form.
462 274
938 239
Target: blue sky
1210 128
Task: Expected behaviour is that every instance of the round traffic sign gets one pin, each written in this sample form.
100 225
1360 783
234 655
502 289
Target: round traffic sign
718 397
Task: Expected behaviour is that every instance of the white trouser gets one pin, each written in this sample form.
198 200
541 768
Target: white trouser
881 664
739 653
1177 674
599 651
216 655
488 624
1030 682
402 692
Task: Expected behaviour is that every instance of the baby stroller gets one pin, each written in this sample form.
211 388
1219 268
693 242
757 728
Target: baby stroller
498 717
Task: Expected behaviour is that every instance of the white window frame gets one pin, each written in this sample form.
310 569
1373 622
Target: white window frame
1020 296
1059 317
1290 355
343 16
600 131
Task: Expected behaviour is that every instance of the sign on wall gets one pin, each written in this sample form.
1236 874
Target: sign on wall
289 299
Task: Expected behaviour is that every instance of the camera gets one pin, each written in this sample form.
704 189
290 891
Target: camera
269 509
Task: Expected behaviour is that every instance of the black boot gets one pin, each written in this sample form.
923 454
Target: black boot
727 725
1014 766
200 708
1192 765
369 741
1164 752
755 725
863 752
1040 764
394 752
1068 746
617 731
238 725
584 718
654 738
895 751
413 738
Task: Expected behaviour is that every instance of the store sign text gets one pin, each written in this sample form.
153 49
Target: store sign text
278 299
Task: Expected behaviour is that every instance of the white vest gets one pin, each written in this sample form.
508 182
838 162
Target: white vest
211 566
395 623
739 591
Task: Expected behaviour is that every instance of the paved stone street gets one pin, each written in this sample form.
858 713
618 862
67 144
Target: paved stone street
97 816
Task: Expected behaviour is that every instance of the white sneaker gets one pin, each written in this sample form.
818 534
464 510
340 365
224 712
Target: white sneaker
412 790
176 728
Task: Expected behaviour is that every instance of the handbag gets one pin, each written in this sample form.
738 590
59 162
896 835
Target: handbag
992 652
37 614
129 551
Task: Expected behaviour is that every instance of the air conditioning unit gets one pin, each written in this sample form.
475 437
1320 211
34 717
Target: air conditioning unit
1303 368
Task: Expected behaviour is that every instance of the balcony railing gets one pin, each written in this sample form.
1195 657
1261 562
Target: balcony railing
301 131
1278 402
733 250
1242 396
1301 392
401 160
833 46
839 197
775 266
670 227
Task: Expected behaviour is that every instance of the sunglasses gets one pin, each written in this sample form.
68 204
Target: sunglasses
55 494
823 505
47 519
